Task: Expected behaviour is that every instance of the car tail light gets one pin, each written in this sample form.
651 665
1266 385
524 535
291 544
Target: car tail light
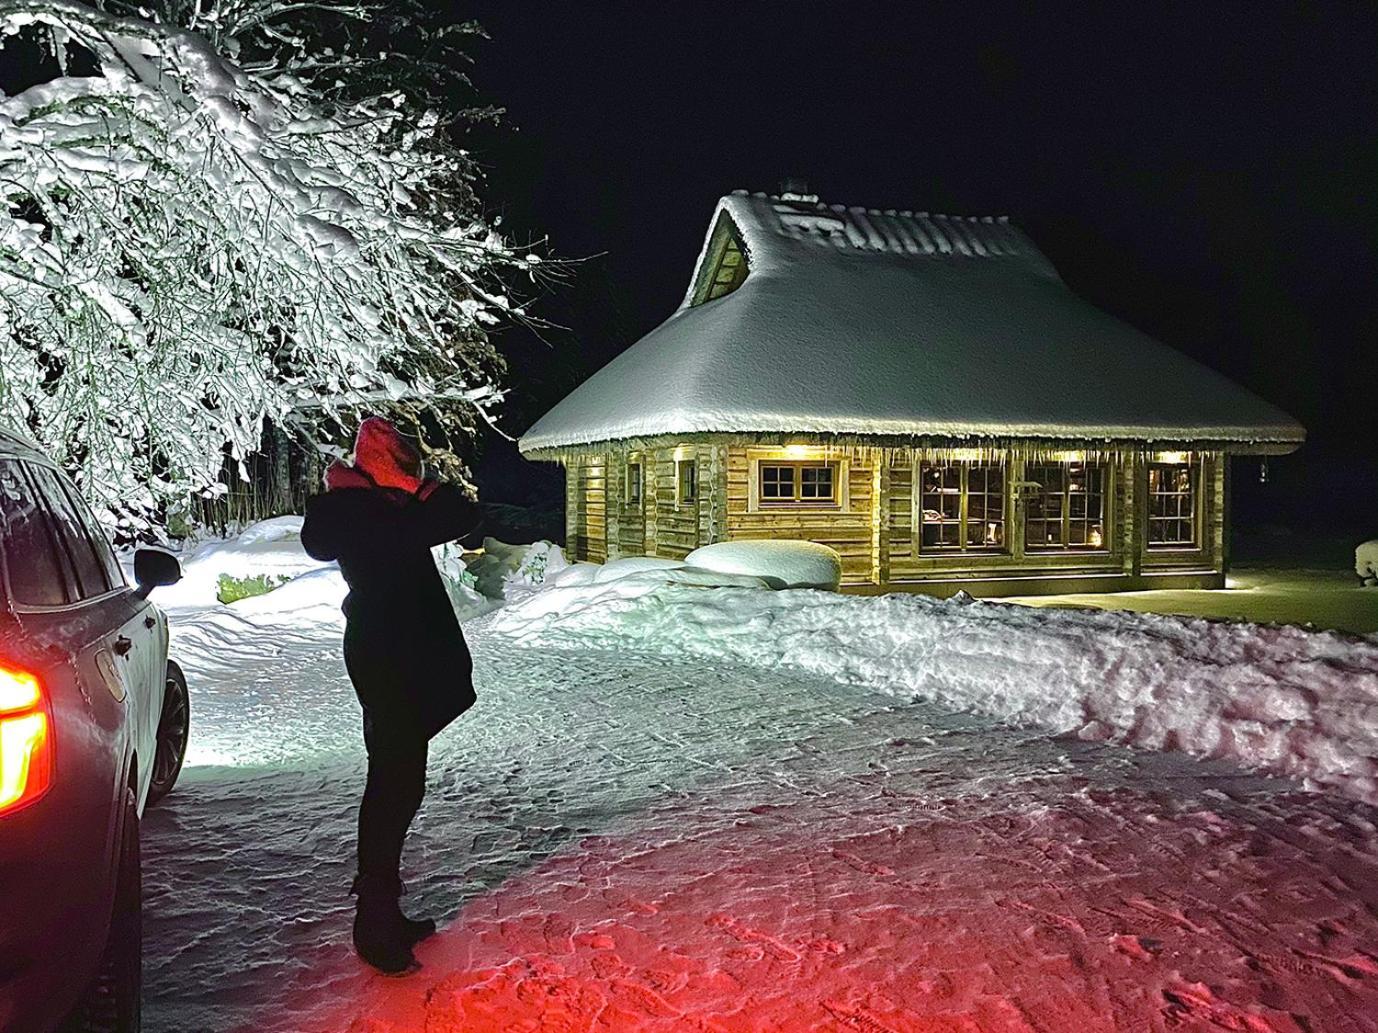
26 750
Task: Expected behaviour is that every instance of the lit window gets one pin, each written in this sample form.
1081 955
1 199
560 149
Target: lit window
795 484
1067 508
688 480
634 483
962 507
1171 505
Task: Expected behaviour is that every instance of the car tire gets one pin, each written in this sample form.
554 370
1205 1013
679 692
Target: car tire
174 731
113 1002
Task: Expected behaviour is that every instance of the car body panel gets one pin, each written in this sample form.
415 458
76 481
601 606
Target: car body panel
101 661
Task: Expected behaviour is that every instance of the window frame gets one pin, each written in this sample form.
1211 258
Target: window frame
681 498
797 499
963 520
1194 463
1065 518
638 499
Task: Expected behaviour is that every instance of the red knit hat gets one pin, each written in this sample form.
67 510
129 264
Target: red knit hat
383 458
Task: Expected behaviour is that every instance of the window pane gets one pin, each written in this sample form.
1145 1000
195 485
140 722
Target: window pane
114 574
962 506
90 571
688 486
31 549
1066 510
1171 505
777 482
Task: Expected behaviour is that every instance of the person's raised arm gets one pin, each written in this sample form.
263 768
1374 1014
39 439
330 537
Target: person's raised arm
441 513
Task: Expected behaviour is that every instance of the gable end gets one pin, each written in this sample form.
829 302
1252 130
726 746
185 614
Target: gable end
725 265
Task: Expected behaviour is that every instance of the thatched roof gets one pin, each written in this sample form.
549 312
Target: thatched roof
857 322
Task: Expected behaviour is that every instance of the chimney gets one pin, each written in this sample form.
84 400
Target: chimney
794 189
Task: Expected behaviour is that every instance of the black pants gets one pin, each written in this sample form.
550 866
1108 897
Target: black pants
396 785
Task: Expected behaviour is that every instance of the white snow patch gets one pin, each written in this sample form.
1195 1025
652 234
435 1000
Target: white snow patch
614 569
580 573
1281 699
274 529
780 563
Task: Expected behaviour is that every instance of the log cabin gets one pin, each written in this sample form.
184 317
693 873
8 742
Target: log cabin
922 393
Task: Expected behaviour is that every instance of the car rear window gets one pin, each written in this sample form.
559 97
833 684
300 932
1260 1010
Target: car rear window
30 543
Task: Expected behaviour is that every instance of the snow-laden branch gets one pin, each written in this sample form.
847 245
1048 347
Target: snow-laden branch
188 249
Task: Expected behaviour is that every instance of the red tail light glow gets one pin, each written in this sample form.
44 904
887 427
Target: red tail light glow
26 755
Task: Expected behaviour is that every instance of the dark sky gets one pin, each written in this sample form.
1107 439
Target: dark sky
1206 172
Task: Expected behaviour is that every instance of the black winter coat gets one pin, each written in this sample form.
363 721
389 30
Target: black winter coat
403 647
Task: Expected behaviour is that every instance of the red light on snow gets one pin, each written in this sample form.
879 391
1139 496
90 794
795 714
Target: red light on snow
26 756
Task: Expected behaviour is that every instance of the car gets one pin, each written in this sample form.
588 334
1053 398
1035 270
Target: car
93 728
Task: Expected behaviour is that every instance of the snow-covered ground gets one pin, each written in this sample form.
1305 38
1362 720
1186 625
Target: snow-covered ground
631 832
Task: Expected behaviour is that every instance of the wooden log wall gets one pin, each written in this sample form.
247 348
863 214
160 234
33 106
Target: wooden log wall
846 529
873 527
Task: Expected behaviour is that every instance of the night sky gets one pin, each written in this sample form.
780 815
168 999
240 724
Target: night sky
1208 176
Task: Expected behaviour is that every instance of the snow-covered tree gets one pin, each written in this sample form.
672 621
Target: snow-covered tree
190 247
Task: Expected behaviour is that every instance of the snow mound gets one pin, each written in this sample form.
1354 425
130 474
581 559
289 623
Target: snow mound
1281 699
614 569
580 573
1366 561
780 564
276 529
270 548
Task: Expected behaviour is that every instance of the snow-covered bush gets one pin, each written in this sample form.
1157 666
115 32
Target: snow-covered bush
499 569
779 563
189 249
540 561
1366 561
230 589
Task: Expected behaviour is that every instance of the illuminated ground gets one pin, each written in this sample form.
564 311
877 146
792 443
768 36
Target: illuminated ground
645 844
1330 599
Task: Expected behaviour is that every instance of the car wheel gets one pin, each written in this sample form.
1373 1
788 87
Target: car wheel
174 729
112 1004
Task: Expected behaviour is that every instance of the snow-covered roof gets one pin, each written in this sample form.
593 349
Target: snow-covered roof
857 322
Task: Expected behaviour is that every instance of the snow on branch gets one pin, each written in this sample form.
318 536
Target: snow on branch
188 249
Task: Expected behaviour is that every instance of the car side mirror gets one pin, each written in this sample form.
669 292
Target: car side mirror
153 568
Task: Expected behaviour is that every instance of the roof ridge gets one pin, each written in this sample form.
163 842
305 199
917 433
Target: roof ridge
906 213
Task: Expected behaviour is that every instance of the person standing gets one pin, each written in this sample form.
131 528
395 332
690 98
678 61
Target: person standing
404 652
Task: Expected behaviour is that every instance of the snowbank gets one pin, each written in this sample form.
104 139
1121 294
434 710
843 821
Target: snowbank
779 563
1282 699
1366 561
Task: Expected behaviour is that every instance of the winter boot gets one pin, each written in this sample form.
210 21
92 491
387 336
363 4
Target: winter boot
380 937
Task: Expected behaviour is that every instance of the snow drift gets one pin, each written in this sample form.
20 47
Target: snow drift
1282 699
779 563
